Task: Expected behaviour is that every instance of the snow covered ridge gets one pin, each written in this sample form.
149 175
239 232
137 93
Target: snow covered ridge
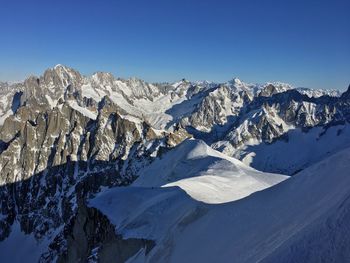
205 174
302 219
231 117
319 92
134 96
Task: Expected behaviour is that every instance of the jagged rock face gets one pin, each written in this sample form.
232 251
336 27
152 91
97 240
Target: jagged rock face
268 124
38 141
216 107
58 147
53 153
268 91
90 237
49 139
49 88
269 118
224 104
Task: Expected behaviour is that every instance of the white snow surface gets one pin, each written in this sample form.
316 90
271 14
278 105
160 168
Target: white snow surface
20 247
86 112
301 150
205 174
303 219
5 116
5 105
316 93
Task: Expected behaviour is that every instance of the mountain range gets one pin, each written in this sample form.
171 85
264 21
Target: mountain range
104 169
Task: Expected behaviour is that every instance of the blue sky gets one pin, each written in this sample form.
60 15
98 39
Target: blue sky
306 43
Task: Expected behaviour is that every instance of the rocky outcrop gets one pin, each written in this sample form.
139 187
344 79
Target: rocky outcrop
216 108
90 237
57 148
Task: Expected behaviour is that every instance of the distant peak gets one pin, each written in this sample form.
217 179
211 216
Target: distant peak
63 68
180 83
59 66
183 80
236 80
61 76
100 74
280 84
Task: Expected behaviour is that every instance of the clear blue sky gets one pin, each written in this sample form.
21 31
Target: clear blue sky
306 43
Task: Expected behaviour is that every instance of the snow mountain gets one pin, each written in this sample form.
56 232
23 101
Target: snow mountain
98 168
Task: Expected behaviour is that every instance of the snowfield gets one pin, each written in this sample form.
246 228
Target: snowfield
298 152
302 219
205 174
20 247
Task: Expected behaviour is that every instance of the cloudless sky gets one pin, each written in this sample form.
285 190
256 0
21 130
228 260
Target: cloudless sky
305 43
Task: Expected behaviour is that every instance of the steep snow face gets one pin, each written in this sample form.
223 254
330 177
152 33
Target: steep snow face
308 201
9 101
296 150
20 247
86 112
4 115
205 174
288 220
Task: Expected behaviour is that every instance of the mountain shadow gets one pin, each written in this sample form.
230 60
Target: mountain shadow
51 205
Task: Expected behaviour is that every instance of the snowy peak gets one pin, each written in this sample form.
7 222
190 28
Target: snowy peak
68 73
316 93
103 78
236 82
62 74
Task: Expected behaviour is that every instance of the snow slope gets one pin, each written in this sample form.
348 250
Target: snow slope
298 152
6 98
205 174
20 247
303 219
